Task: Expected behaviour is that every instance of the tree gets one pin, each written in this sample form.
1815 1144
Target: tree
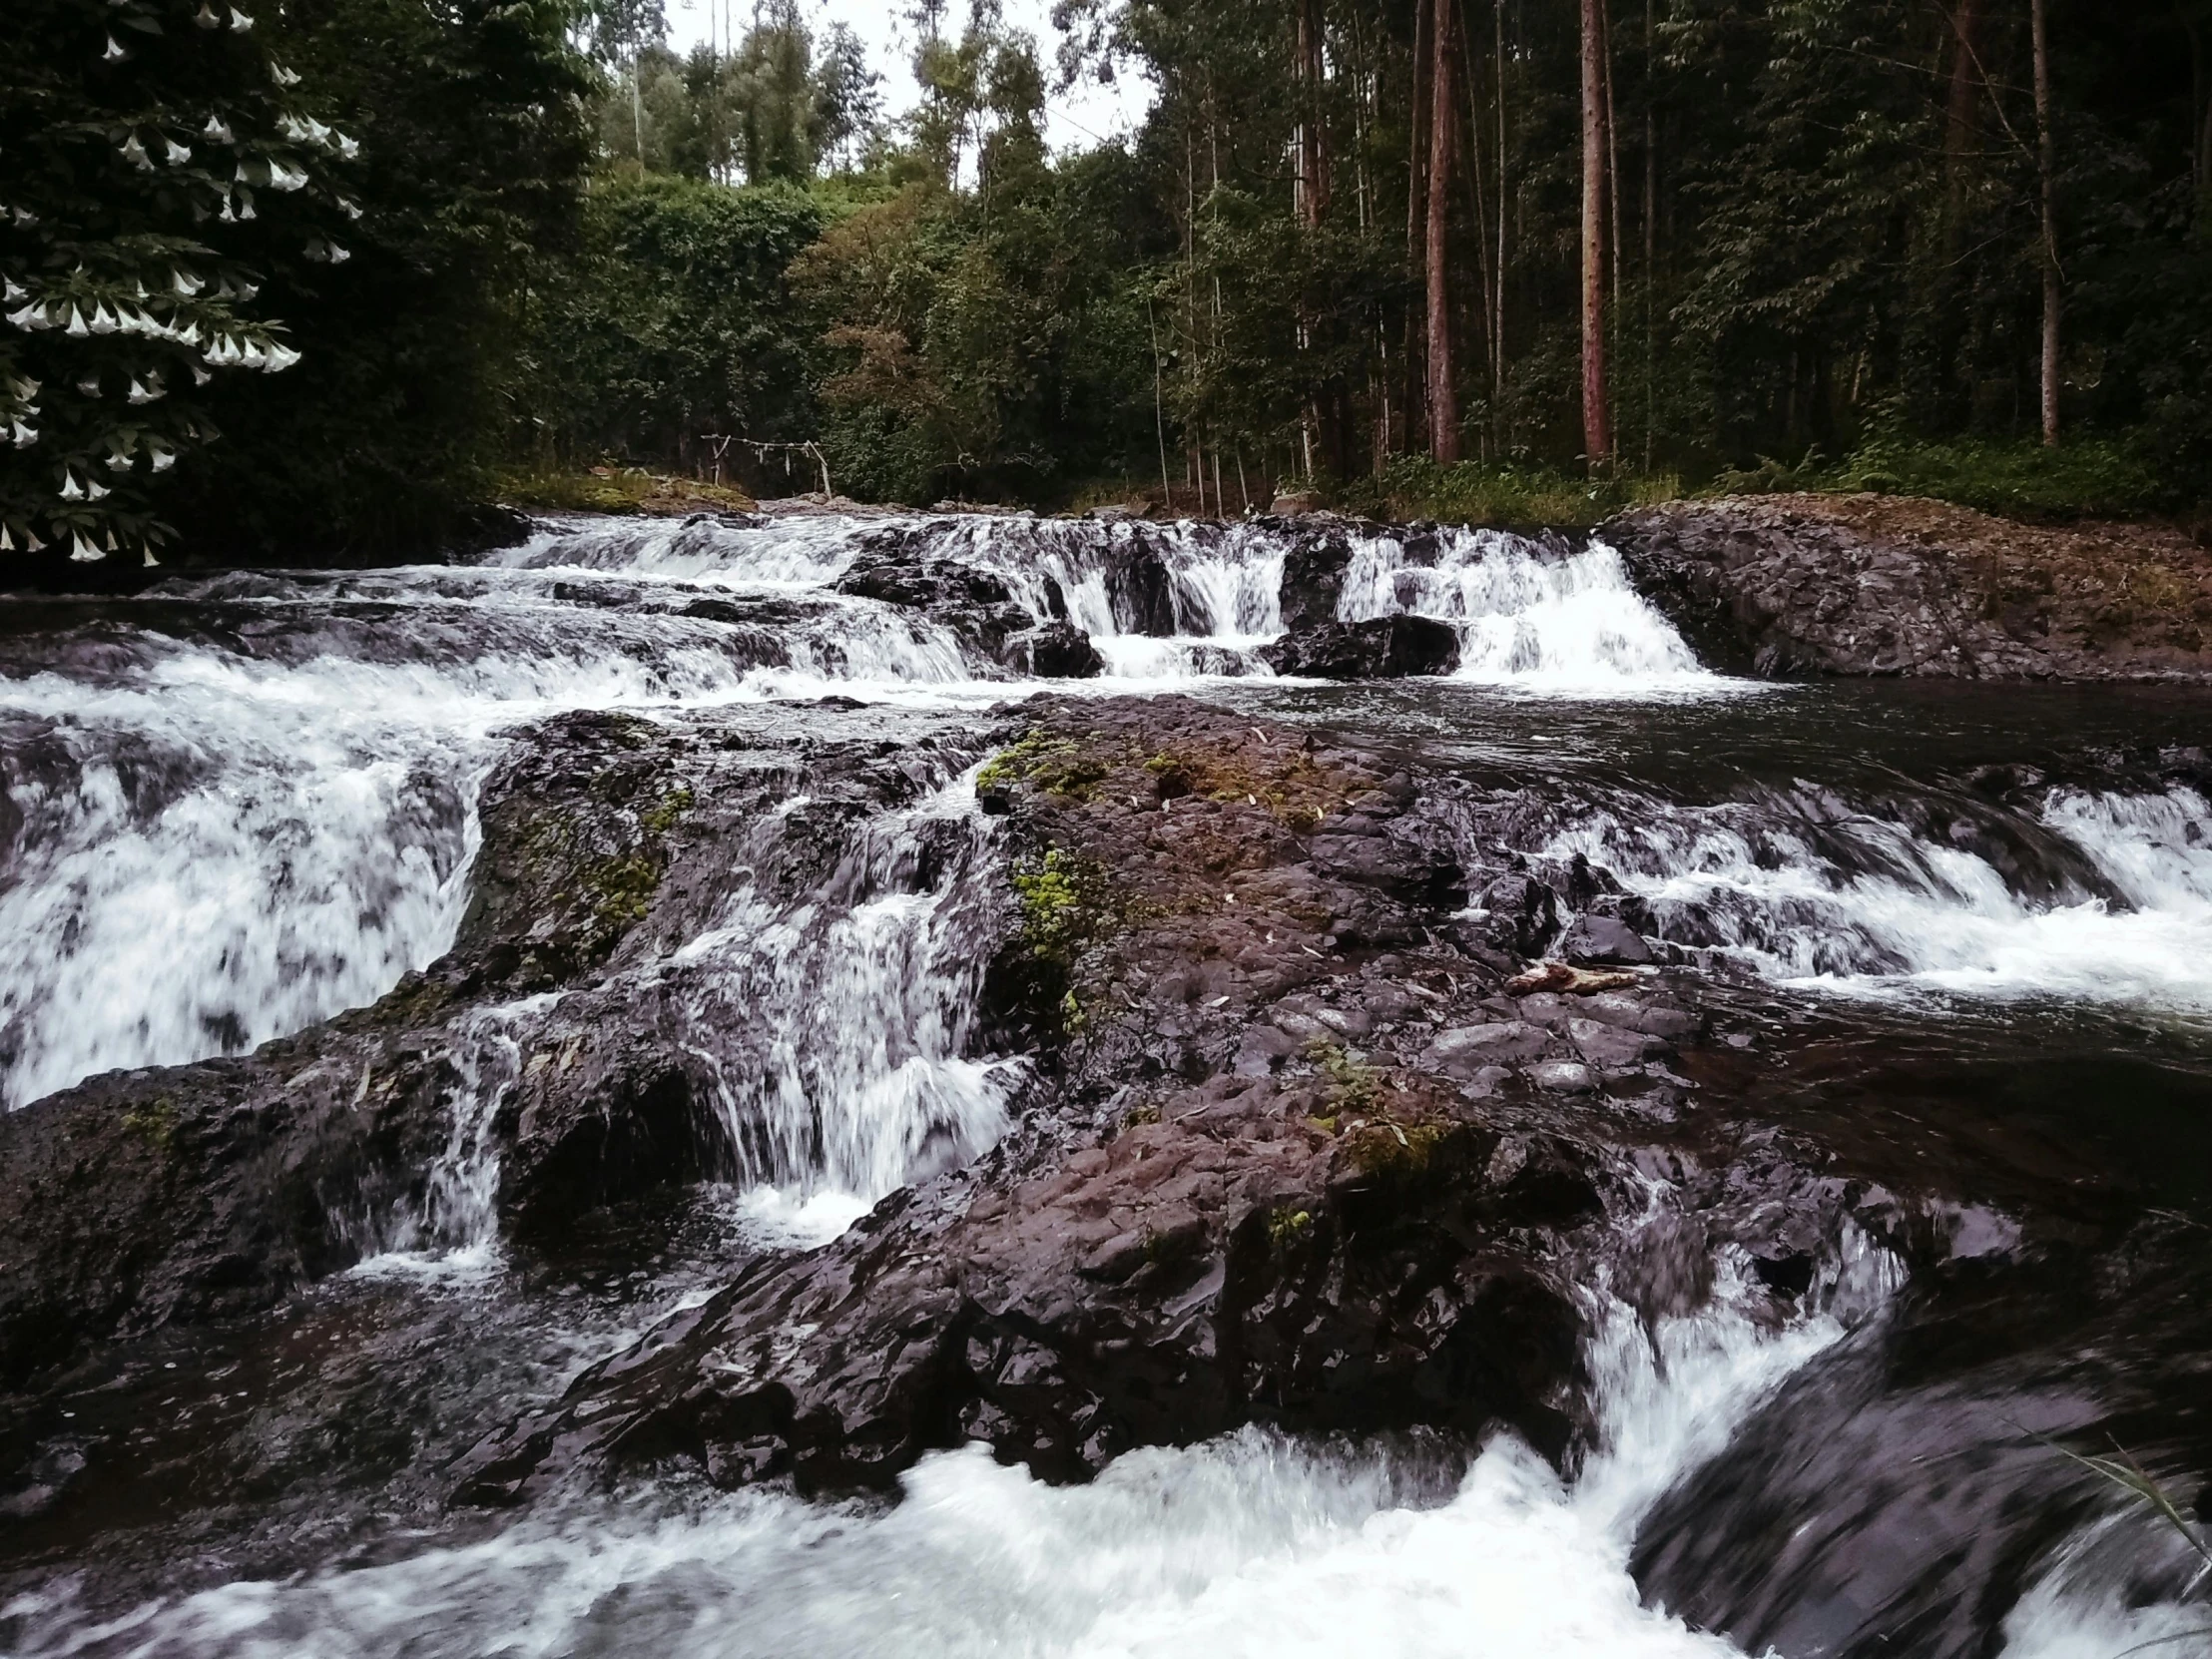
1598 413
2046 170
1444 120
143 139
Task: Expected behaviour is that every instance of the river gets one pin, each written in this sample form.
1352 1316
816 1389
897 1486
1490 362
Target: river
1968 927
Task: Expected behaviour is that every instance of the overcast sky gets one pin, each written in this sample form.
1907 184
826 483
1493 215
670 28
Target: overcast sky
1074 120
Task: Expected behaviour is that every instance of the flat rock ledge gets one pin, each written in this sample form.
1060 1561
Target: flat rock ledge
1792 586
1289 1152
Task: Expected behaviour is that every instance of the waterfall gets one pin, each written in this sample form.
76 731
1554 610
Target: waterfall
1809 889
1527 615
1253 1544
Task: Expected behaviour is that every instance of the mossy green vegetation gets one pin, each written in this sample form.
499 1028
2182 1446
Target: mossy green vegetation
1062 901
152 1121
2086 477
1058 766
1503 494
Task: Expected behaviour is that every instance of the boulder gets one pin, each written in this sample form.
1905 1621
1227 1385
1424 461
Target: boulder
1594 941
1383 648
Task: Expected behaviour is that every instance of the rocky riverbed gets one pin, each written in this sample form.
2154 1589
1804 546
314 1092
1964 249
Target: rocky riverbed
1538 1066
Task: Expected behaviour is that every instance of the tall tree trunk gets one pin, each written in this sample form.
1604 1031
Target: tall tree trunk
1498 292
1416 199
2047 165
1597 420
1312 128
1958 121
1444 402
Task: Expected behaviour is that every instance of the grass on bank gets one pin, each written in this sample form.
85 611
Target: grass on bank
2087 478
609 489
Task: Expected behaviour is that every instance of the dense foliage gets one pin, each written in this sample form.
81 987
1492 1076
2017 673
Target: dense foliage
1345 233
140 140
1823 250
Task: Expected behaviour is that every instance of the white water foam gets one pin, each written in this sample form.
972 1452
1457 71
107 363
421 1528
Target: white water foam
1527 617
1929 916
220 849
1254 1544
834 1032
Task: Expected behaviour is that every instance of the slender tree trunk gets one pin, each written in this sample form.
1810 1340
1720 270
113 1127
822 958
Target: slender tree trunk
1497 293
1444 402
1416 199
2047 165
1959 123
1612 157
1312 130
1597 422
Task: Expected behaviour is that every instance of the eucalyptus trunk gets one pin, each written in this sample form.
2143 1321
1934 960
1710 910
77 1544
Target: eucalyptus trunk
1597 418
1443 404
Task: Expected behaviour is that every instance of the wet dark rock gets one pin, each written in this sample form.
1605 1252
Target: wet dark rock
1796 586
1524 913
1598 940
1057 651
189 1193
1384 648
1259 1177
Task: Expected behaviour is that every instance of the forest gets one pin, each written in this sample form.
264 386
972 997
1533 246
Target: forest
334 275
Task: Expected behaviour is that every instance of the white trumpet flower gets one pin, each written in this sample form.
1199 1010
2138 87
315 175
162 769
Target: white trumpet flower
103 319
348 148
113 51
94 492
76 328
164 459
85 552
178 153
216 130
11 290
150 561
135 152
90 386
30 318
144 394
245 204
200 377
118 458
185 283
25 436
205 17
280 359
240 22
283 76
282 176
71 489
7 542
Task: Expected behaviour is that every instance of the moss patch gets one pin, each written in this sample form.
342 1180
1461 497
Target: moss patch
154 1122
1058 766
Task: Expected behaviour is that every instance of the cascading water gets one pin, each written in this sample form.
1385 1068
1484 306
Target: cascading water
256 807
1527 615
1804 887
1253 1544
237 806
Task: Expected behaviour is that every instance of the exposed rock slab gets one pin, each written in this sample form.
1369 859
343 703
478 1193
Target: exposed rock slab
1800 585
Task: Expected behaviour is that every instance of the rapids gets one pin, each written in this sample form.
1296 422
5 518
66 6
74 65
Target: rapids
235 806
